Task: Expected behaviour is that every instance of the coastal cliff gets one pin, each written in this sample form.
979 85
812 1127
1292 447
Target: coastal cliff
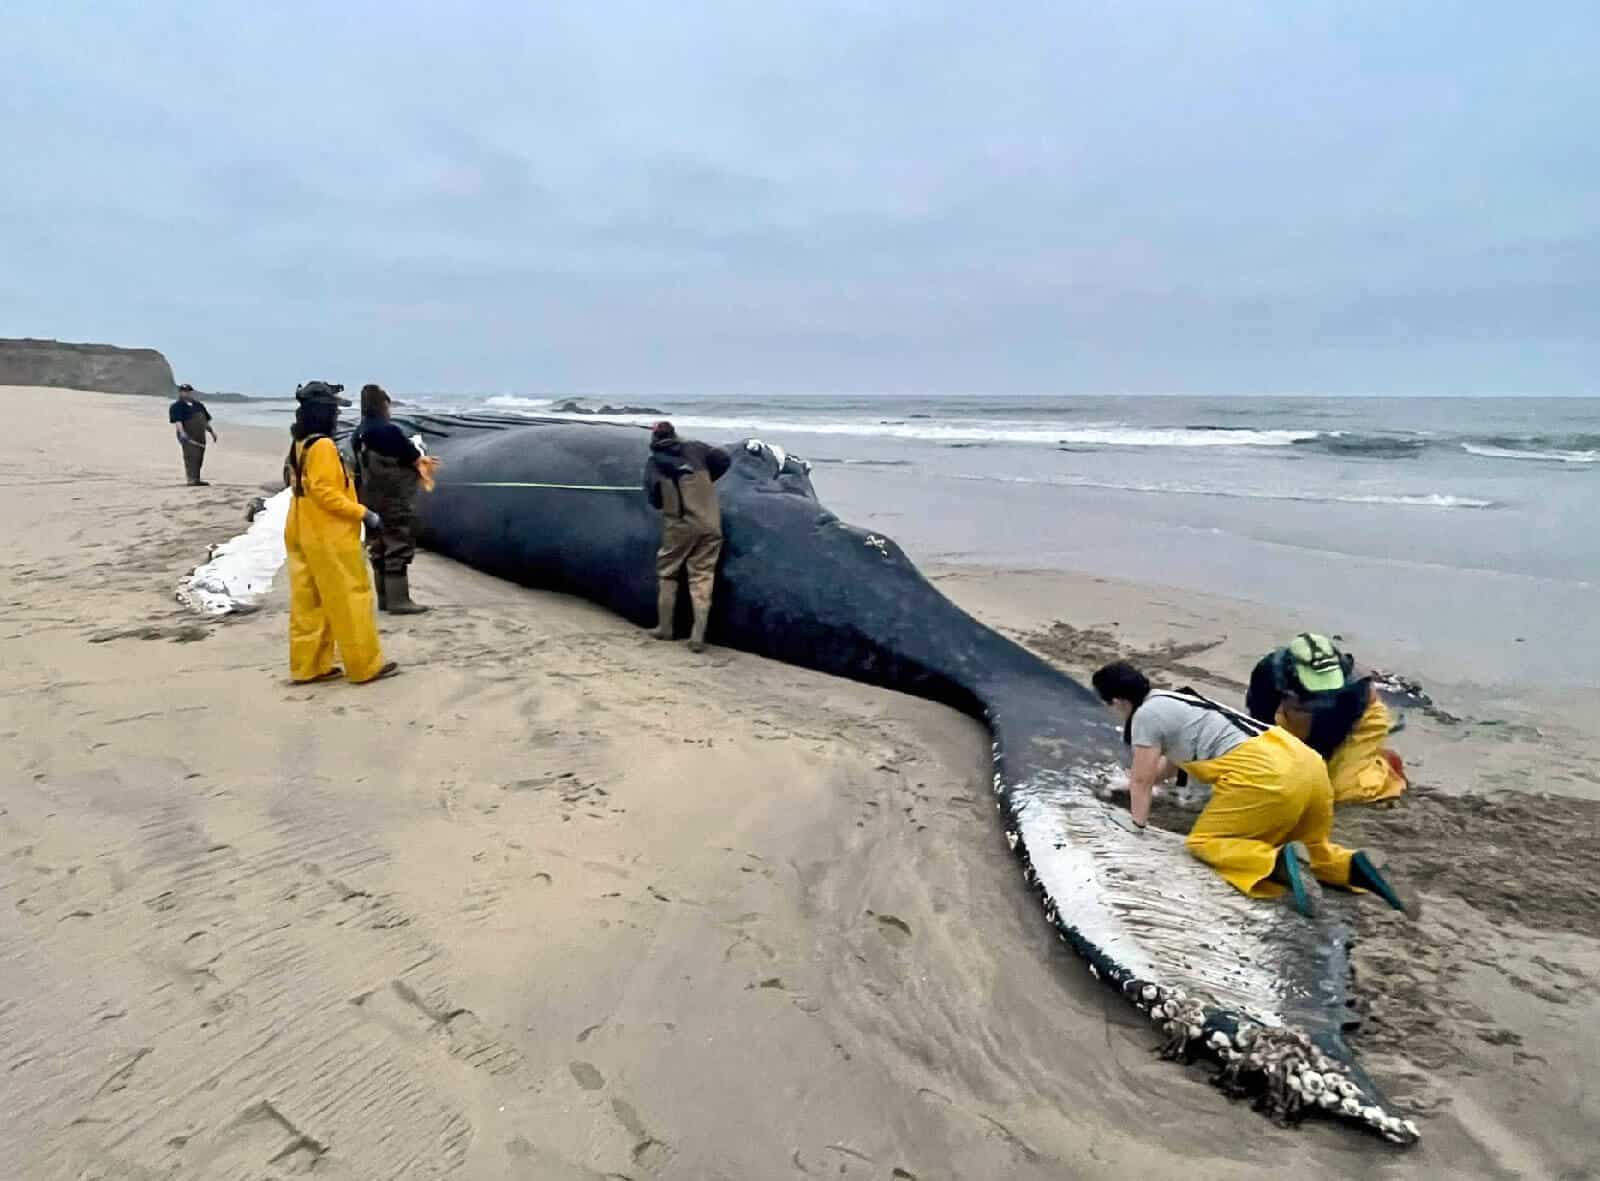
102 367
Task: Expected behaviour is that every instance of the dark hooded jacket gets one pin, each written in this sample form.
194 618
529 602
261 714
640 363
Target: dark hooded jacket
678 479
1333 712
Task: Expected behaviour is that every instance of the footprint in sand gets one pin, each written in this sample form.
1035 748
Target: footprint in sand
893 928
587 1077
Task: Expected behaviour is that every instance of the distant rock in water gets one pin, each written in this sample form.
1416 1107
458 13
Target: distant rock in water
100 367
573 406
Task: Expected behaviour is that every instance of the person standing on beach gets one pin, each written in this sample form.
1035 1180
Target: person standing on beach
387 481
330 595
193 422
1314 691
678 480
1269 824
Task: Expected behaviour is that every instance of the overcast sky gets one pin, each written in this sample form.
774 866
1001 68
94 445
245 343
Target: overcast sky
669 196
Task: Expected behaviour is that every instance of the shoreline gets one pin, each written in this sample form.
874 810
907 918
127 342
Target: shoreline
656 899
1465 566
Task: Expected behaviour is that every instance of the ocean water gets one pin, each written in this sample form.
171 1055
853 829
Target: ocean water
1457 534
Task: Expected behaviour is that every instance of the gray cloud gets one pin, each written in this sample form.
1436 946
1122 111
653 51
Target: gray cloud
904 197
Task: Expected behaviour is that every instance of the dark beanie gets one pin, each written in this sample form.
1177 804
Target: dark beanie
662 430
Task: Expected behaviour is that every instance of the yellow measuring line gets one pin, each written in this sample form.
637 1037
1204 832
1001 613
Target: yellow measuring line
569 487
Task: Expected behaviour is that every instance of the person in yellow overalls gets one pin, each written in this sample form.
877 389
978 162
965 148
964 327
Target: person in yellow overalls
330 589
1268 827
1314 691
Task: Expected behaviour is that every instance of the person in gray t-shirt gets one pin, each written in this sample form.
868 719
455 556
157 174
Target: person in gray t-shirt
1269 824
1185 731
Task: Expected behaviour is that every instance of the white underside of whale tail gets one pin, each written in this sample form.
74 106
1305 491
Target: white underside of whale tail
1217 973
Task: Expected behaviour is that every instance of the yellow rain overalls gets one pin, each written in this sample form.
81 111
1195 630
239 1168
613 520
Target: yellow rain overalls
330 591
1361 769
1265 792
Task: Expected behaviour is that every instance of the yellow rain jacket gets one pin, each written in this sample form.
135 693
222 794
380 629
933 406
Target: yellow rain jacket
1362 769
330 589
1266 792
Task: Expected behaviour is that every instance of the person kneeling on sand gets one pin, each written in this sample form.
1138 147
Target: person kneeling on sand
330 592
678 479
1314 691
1268 826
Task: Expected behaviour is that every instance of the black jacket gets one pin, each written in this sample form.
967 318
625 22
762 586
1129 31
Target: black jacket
382 437
1334 712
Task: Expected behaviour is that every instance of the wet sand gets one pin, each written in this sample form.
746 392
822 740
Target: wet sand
560 901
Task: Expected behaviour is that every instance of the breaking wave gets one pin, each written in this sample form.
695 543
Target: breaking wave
861 419
1368 446
1555 455
948 431
1436 500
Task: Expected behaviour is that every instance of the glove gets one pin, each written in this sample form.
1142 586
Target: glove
372 521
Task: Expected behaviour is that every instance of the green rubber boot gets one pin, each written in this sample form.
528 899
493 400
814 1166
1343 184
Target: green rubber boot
1365 874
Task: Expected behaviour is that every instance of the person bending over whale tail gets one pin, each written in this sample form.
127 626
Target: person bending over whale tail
678 479
330 593
1268 826
1314 691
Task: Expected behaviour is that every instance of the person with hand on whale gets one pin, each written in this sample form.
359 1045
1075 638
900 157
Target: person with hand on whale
388 477
330 590
678 481
1314 691
1268 827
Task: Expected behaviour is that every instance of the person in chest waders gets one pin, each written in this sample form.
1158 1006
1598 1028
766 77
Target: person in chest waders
678 480
193 422
387 481
1314 691
1268 827
330 595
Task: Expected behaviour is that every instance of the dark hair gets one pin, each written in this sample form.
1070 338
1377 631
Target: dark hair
315 417
373 400
1120 681
663 430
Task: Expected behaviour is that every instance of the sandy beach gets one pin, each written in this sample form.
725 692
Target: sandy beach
562 902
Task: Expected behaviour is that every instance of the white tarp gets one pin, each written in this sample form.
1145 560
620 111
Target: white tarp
242 568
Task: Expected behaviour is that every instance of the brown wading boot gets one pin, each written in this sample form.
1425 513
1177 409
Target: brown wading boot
666 608
697 636
399 595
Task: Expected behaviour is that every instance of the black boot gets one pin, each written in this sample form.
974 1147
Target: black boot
379 585
399 595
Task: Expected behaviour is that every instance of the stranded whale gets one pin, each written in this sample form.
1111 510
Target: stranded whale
1254 987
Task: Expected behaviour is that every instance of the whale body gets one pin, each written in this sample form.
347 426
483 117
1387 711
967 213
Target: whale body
1252 986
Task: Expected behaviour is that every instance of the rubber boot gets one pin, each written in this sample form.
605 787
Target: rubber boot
666 608
399 595
1365 874
697 635
379 585
1294 870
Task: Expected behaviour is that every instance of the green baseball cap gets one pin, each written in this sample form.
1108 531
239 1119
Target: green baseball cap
1318 665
